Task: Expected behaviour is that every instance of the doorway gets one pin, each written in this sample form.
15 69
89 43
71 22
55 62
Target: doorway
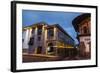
50 49
39 50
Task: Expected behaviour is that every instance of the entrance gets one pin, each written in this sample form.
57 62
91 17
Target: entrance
39 50
50 48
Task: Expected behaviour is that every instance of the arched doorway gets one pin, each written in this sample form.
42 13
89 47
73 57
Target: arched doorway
50 48
39 50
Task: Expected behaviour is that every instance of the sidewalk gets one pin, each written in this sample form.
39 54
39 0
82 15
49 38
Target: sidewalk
39 55
43 58
39 58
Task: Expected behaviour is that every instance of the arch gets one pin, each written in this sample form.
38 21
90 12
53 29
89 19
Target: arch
50 44
50 47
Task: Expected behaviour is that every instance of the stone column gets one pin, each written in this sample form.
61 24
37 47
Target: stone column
35 40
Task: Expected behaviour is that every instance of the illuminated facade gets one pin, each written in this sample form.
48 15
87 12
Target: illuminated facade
82 25
47 39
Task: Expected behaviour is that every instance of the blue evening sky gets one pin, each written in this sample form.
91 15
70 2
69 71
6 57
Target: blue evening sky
64 19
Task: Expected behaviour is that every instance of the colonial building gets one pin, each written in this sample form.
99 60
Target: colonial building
47 39
82 25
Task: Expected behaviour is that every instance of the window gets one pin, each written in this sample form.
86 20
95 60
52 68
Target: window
50 32
39 38
62 36
39 50
50 49
32 30
40 31
85 30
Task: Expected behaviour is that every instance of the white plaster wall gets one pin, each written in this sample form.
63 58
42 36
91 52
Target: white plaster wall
83 39
26 37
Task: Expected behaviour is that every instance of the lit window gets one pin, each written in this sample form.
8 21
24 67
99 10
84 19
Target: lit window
31 41
39 49
50 47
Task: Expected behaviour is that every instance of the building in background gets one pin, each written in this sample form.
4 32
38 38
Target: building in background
82 25
48 39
